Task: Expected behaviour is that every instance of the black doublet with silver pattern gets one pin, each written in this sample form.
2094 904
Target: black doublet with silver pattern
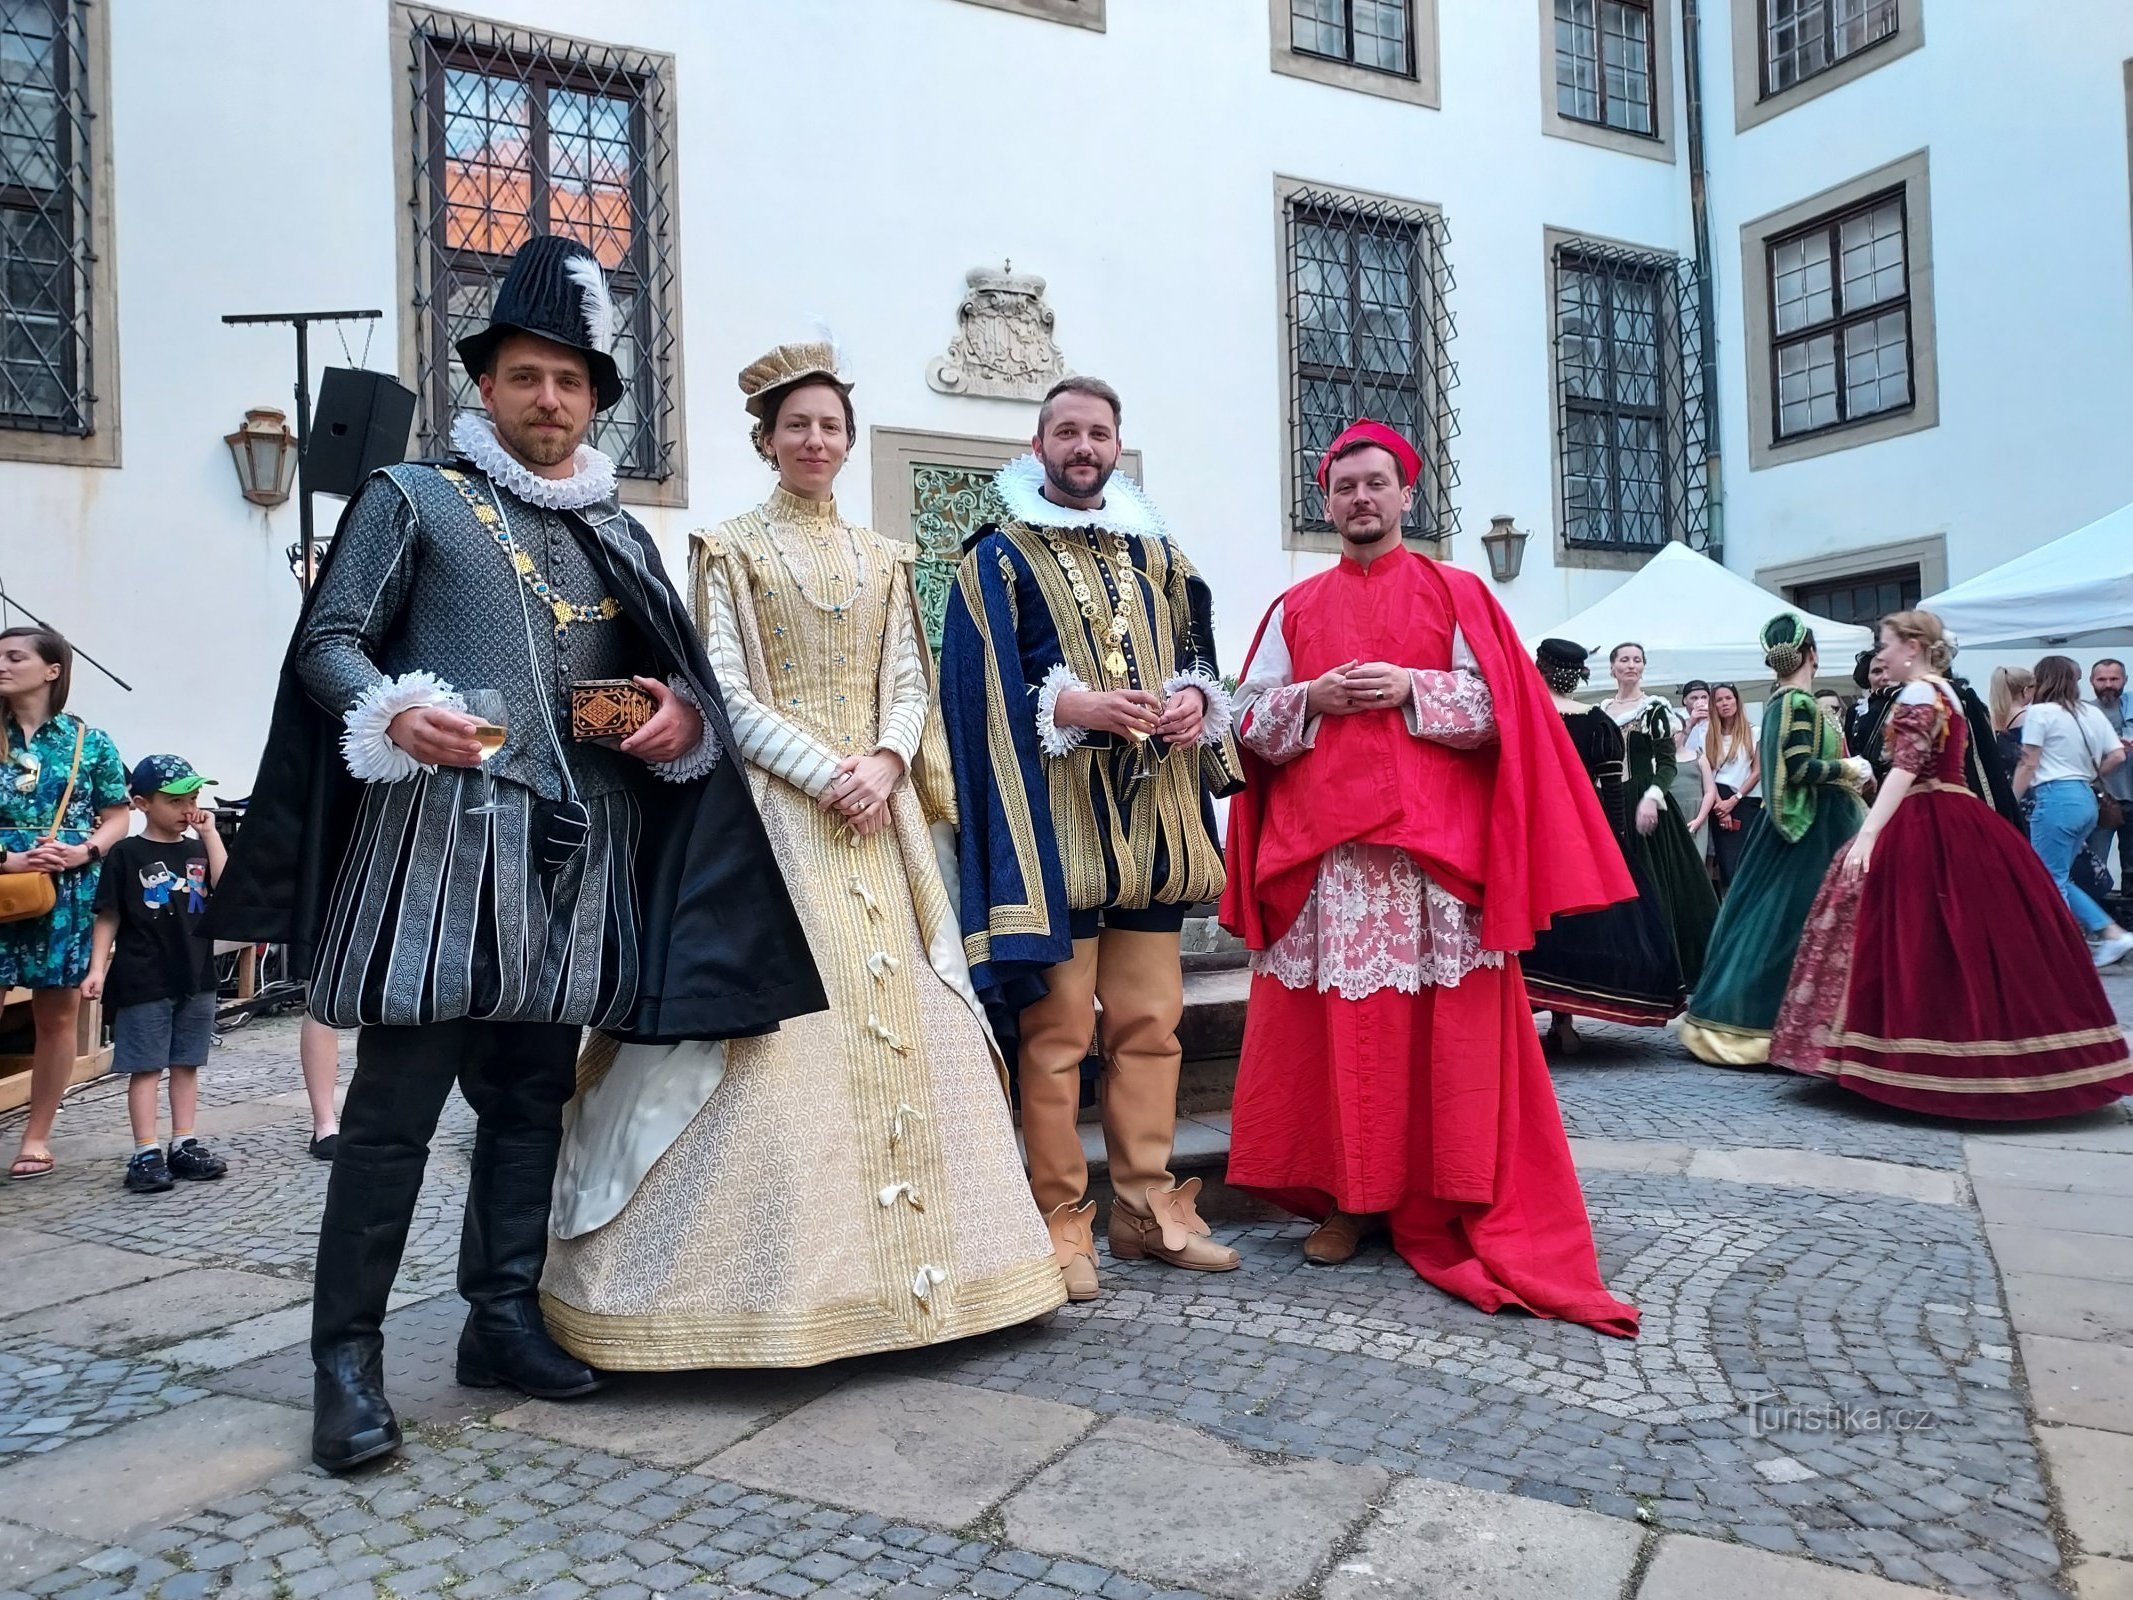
437 914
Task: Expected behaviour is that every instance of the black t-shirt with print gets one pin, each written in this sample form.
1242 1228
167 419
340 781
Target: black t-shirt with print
159 894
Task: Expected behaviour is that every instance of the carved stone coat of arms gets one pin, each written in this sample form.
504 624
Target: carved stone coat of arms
1003 345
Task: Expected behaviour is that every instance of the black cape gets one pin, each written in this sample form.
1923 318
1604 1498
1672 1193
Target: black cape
722 951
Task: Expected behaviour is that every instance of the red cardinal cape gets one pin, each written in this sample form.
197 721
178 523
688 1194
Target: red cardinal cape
1513 828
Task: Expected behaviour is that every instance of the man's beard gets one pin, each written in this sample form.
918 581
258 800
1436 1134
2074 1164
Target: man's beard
1057 477
535 448
1356 535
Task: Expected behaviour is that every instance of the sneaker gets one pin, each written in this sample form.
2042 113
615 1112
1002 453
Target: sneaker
191 1160
147 1174
2111 951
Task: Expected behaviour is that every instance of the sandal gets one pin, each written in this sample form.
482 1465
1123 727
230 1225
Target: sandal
28 1166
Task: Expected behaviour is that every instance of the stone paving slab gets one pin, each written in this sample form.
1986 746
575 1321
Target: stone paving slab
1689 1568
2070 1308
1631 1155
146 1315
421 1361
2067 1255
50 1277
2057 1209
1170 1503
671 1419
2100 1578
1439 1539
2109 1130
904 1447
18 1242
2094 1474
2076 1382
154 1471
27 1554
1811 1169
2039 1166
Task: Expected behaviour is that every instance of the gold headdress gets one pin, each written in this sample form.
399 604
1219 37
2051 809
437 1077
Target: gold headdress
789 364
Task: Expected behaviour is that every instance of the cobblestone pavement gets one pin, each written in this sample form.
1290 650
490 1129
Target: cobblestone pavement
1823 1373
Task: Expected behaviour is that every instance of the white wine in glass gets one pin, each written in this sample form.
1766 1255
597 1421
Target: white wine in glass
491 729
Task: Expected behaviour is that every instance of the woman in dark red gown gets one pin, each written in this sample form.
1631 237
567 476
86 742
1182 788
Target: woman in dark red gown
1940 970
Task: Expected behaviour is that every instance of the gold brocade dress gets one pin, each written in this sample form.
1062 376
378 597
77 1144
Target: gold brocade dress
852 1182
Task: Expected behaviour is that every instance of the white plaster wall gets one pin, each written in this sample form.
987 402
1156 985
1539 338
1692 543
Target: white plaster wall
2025 118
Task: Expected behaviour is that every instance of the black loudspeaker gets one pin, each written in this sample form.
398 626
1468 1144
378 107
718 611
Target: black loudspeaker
361 424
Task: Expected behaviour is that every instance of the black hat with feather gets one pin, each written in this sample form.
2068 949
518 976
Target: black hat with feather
555 290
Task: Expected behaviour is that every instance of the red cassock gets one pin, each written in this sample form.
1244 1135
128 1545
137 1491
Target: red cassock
1434 1107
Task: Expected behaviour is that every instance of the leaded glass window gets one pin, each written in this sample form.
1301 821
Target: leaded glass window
1377 34
517 136
1369 336
1863 597
1605 63
1804 37
45 298
1632 450
1840 320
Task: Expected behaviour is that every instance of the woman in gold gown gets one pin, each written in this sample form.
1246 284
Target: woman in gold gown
849 1183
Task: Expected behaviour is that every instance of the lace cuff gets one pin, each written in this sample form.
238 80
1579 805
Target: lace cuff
697 761
1451 708
1278 727
1221 709
367 747
1057 741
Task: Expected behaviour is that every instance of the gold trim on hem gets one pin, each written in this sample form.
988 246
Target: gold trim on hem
676 1341
2042 1044
1721 1045
2042 1083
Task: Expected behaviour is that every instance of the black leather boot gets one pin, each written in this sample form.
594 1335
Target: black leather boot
502 1249
370 1202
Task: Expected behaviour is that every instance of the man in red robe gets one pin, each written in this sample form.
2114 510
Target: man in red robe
1415 813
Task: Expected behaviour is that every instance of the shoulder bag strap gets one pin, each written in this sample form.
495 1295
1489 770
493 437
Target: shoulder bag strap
81 735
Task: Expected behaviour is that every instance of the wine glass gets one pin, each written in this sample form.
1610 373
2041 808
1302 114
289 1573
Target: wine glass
491 729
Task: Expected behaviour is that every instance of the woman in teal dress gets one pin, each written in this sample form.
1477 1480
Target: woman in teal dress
49 955
1660 848
1813 808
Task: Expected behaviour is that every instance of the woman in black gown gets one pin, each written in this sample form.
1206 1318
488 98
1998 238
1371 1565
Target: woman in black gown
1617 963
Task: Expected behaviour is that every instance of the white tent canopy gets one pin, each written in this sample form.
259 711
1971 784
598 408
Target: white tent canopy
1696 619
2077 590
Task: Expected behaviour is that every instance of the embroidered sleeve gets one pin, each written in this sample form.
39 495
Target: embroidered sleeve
1278 729
1451 708
780 746
1915 735
358 599
909 698
698 760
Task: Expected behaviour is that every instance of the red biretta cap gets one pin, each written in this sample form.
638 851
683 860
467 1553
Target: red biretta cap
1364 431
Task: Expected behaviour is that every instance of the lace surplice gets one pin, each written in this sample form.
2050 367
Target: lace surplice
1373 920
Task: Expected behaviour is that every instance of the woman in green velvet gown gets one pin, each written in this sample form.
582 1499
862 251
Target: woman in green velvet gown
1661 845
1813 808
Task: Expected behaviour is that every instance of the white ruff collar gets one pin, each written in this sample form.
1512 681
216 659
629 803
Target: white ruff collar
592 476
1125 509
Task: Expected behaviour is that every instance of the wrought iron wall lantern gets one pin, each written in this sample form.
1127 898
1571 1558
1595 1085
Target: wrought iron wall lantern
265 453
1506 546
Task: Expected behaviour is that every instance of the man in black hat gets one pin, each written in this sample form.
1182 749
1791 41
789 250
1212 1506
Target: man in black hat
464 878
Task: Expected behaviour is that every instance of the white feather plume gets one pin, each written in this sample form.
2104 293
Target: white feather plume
601 317
827 335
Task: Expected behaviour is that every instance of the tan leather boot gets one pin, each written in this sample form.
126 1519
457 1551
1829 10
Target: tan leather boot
1337 1238
1073 1230
1170 1230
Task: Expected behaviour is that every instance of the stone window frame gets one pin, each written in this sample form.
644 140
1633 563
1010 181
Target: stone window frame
1928 553
1073 13
672 490
100 446
1751 106
1422 87
892 452
1293 535
1660 144
1911 174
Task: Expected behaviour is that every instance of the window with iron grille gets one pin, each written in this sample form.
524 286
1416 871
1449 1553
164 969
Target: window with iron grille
1605 63
46 294
1840 318
1804 37
1633 435
1375 34
516 135
1369 336
1862 597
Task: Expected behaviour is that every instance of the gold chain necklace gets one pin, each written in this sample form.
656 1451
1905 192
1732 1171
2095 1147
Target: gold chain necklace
1114 661
565 612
